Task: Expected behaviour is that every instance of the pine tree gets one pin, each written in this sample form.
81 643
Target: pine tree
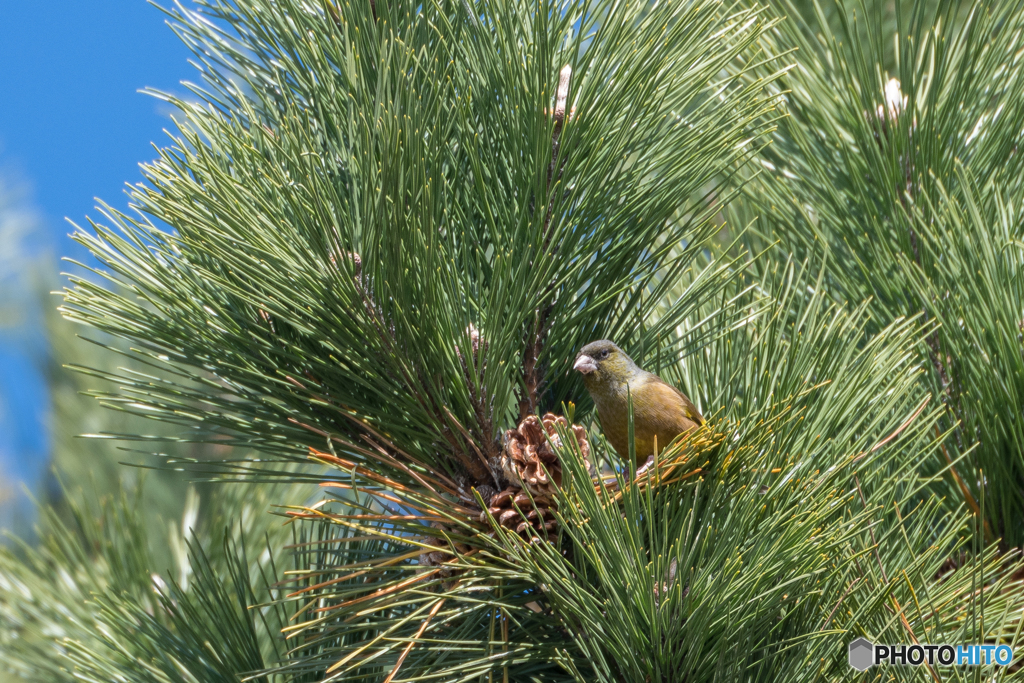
369 258
907 181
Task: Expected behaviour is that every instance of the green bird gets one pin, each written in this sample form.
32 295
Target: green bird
660 411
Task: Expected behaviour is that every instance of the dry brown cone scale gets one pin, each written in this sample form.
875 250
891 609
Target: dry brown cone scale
529 462
530 465
529 459
442 556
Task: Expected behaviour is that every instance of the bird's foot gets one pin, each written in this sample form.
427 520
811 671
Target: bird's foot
642 470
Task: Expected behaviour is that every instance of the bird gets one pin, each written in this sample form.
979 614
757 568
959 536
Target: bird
660 411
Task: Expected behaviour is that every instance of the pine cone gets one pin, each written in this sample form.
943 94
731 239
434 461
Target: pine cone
364 287
530 463
894 107
530 449
509 507
475 341
355 263
434 558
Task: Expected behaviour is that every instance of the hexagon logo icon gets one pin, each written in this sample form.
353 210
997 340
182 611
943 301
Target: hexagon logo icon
862 654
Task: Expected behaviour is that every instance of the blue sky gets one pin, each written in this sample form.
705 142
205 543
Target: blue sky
73 127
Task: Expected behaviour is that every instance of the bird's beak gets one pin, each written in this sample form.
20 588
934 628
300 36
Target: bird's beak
585 364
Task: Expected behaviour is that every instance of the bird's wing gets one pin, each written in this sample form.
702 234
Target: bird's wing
688 407
667 405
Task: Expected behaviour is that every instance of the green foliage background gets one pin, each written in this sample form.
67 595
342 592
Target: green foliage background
389 238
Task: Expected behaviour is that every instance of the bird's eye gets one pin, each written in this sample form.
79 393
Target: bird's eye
604 354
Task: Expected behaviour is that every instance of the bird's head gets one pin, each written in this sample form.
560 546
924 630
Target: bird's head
602 361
